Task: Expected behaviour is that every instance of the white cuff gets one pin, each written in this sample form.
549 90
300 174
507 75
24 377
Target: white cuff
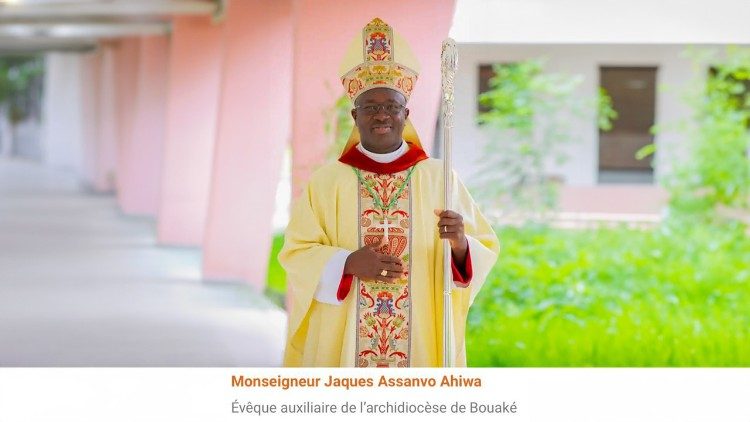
328 285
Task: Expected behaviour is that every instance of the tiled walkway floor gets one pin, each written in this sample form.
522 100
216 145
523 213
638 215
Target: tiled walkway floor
83 285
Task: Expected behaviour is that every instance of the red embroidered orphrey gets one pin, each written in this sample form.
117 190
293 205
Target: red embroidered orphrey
384 309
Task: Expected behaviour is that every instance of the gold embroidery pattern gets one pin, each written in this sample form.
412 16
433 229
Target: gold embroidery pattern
384 309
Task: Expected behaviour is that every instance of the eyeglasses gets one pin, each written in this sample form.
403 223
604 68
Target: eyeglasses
391 109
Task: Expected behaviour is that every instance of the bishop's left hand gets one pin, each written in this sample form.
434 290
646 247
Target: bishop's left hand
451 227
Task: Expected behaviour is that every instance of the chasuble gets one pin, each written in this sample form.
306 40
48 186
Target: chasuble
377 324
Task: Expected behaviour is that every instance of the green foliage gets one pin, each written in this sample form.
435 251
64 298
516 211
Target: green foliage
606 112
276 285
16 75
615 297
716 174
645 151
338 126
530 117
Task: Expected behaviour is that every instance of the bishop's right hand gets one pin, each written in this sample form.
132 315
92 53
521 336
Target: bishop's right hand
367 263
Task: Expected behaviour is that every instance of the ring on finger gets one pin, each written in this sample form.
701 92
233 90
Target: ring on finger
384 273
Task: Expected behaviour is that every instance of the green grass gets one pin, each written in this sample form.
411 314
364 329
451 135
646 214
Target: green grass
614 297
609 297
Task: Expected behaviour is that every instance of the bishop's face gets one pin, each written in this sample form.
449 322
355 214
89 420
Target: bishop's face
380 115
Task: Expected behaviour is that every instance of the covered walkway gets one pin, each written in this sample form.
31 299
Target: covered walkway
158 129
83 285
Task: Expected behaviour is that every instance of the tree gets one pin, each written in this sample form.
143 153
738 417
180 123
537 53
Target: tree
713 183
529 117
17 73
338 126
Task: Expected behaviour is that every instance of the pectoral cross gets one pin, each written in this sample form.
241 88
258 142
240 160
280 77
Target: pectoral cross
385 225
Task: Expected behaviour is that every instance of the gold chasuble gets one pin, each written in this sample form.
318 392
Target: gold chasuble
379 324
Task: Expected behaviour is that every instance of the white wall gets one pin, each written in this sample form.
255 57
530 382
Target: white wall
581 169
602 21
63 118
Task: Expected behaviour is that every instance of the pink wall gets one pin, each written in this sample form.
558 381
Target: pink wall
90 75
619 199
126 78
323 31
142 148
192 109
106 138
253 131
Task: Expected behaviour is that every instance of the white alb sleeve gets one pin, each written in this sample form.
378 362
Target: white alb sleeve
328 285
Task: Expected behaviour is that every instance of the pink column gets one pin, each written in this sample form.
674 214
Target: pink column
105 160
141 149
192 108
324 29
126 78
90 74
253 131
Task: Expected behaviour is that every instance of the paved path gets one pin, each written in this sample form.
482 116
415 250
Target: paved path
83 285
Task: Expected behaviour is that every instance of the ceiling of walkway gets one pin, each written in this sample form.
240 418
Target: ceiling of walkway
41 25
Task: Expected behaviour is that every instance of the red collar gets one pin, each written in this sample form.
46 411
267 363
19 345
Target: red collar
355 158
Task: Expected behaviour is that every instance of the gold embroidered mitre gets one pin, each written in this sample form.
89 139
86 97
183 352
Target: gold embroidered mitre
378 59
